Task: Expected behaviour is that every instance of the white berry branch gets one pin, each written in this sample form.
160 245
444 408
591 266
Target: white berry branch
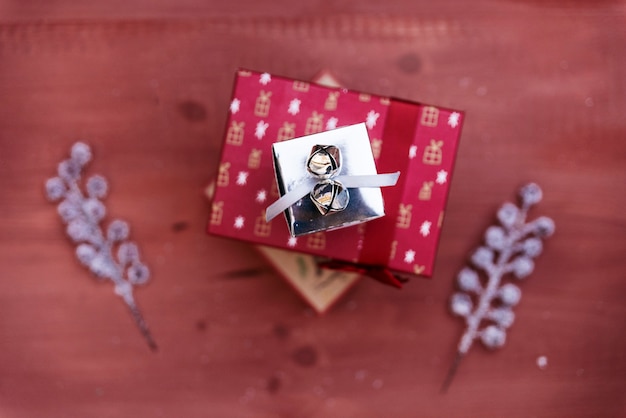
509 249
83 214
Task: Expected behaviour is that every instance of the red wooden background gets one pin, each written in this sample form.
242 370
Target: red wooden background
147 84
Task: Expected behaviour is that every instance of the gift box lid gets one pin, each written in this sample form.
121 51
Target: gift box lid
418 140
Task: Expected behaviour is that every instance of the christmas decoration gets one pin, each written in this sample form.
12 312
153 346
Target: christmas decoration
329 174
418 140
106 253
483 301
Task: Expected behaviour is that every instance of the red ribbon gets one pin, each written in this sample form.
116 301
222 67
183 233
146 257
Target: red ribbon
400 126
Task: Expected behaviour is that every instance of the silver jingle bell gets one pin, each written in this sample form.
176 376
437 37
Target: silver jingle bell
324 161
330 196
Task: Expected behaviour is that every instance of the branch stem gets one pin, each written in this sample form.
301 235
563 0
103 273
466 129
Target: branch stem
451 372
142 325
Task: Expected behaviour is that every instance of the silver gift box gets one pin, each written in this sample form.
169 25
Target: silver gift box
290 164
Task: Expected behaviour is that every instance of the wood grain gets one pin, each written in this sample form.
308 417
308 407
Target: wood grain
147 84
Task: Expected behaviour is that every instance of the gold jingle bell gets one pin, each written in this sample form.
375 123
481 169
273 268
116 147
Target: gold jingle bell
330 196
324 161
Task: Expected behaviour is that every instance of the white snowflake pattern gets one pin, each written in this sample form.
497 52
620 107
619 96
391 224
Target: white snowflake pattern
371 119
453 119
331 123
413 151
234 106
292 241
242 178
409 256
261 127
265 78
239 222
261 196
294 107
442 177
425 228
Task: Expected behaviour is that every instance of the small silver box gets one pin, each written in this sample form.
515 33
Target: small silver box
290 165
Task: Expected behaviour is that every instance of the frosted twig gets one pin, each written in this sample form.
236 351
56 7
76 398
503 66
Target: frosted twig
509 248
83 214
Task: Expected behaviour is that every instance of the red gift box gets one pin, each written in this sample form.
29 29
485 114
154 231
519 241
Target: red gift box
418 140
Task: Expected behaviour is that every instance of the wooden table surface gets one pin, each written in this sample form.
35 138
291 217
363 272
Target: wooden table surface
147 85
